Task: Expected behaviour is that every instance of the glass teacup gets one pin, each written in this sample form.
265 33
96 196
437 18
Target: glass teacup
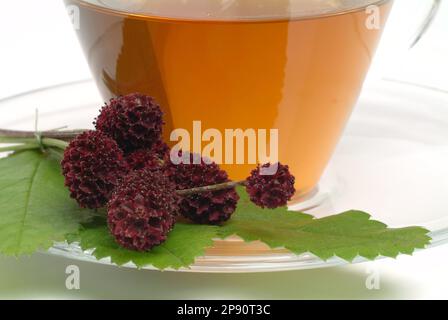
250 81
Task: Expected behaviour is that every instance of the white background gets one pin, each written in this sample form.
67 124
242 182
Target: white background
38 48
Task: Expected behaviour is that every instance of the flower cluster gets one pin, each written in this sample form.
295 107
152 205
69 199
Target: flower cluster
134 121
125 166
140 212
271 190
93 165
208 207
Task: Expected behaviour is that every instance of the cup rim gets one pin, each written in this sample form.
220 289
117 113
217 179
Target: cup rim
214 19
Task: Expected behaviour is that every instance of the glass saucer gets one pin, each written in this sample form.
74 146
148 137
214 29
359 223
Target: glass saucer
391 162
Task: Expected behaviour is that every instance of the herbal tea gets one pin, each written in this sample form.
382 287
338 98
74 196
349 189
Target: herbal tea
295 66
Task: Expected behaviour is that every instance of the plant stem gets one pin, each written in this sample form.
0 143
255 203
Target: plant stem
20 147
215 187
17 140
26 140
50 142
53 134
31 142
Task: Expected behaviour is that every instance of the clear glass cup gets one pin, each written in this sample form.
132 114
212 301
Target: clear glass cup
277 78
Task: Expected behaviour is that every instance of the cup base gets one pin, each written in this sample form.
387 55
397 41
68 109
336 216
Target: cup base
309 200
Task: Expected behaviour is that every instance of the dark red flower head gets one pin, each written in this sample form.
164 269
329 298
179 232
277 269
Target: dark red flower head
135 121
142 210
162 150
153 158
270 190
211 207
93 165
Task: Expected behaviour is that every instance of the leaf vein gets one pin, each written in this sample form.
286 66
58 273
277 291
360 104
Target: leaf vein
26 207
174 255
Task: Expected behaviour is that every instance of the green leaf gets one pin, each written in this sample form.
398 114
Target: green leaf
185 243
345 235
35 208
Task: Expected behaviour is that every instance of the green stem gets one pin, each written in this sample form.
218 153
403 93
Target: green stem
20 147
46 142
49 142
7 139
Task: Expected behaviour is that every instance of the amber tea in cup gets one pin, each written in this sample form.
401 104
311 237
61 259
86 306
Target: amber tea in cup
297 66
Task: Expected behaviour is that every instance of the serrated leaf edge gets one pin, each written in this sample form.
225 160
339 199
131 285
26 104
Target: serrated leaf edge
426 238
